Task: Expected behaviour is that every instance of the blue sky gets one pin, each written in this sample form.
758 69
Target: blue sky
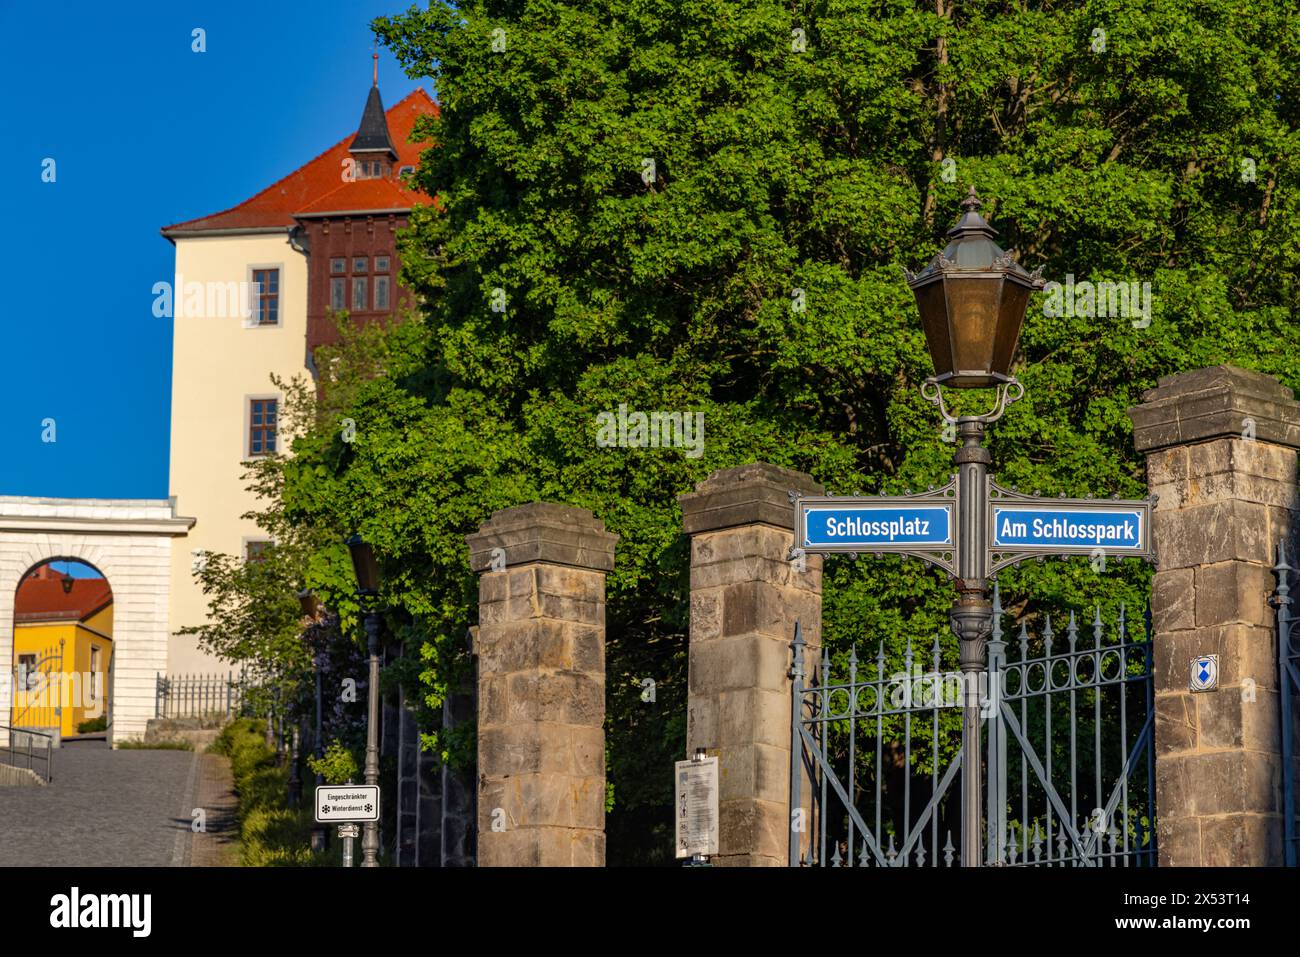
144 132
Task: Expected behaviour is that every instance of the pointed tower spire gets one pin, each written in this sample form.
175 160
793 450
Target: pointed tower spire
372 135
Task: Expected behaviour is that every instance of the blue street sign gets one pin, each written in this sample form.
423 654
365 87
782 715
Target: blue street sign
880 524
1038 526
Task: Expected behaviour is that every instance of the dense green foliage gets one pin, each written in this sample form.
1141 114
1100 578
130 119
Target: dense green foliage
799 155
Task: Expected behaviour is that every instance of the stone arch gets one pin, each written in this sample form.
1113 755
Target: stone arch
130 542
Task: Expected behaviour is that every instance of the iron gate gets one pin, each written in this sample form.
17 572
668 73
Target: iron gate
1067 732
40 690
1288 666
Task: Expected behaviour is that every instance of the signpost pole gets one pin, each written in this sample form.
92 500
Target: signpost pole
347 832
971 616
370 831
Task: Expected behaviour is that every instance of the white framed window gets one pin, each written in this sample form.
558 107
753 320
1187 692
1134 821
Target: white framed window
265 294
381 292
359 292
338 294
262 425
94 670
338 266
26 672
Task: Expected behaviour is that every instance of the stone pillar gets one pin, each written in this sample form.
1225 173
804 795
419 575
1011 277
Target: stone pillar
1221 455
746 595
541 686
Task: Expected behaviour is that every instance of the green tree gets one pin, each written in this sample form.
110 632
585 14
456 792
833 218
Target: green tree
704 206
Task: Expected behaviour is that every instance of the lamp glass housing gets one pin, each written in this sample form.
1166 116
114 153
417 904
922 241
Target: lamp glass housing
972 299
364 565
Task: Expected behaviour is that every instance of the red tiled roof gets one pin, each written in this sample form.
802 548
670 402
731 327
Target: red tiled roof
369 194
318 185
43 599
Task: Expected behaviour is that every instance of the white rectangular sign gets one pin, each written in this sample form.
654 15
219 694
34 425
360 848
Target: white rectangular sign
347 802
696 800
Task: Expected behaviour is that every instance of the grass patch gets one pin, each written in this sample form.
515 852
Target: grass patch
271 834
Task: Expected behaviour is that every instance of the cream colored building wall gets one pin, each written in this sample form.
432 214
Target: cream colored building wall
218 364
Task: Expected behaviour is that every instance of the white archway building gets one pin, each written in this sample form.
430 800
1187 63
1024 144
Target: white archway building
130 542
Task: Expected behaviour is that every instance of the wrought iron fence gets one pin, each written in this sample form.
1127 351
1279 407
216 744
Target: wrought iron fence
1288 666
39 760
198 696
1068 733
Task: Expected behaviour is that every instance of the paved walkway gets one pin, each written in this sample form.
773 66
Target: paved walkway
111 808
216 847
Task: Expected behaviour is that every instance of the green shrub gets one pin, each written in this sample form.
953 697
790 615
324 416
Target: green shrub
271 834
337 765
93 725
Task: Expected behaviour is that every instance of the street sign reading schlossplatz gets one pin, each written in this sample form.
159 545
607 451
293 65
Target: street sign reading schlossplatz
924 525
877 524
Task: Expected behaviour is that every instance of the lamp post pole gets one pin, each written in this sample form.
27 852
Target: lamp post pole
370 834
366 569
971 617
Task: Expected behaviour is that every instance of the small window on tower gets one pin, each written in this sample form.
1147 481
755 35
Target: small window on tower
359 265
262 415
381 292
266 308
381 264
358 294
338 294
338 265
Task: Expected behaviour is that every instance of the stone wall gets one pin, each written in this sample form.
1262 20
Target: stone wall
746 595
1221 455
541 686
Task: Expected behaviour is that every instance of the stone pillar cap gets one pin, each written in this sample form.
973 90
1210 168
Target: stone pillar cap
1213 403
753 494
543 532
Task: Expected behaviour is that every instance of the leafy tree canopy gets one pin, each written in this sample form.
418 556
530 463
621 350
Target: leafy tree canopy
697 205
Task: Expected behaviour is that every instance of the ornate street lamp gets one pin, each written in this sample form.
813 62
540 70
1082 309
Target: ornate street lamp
972 299
67 580
367 572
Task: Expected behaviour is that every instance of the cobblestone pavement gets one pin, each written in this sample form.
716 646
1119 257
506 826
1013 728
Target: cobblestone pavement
103 808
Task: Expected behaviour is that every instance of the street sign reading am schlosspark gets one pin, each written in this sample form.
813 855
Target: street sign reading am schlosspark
1015 528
